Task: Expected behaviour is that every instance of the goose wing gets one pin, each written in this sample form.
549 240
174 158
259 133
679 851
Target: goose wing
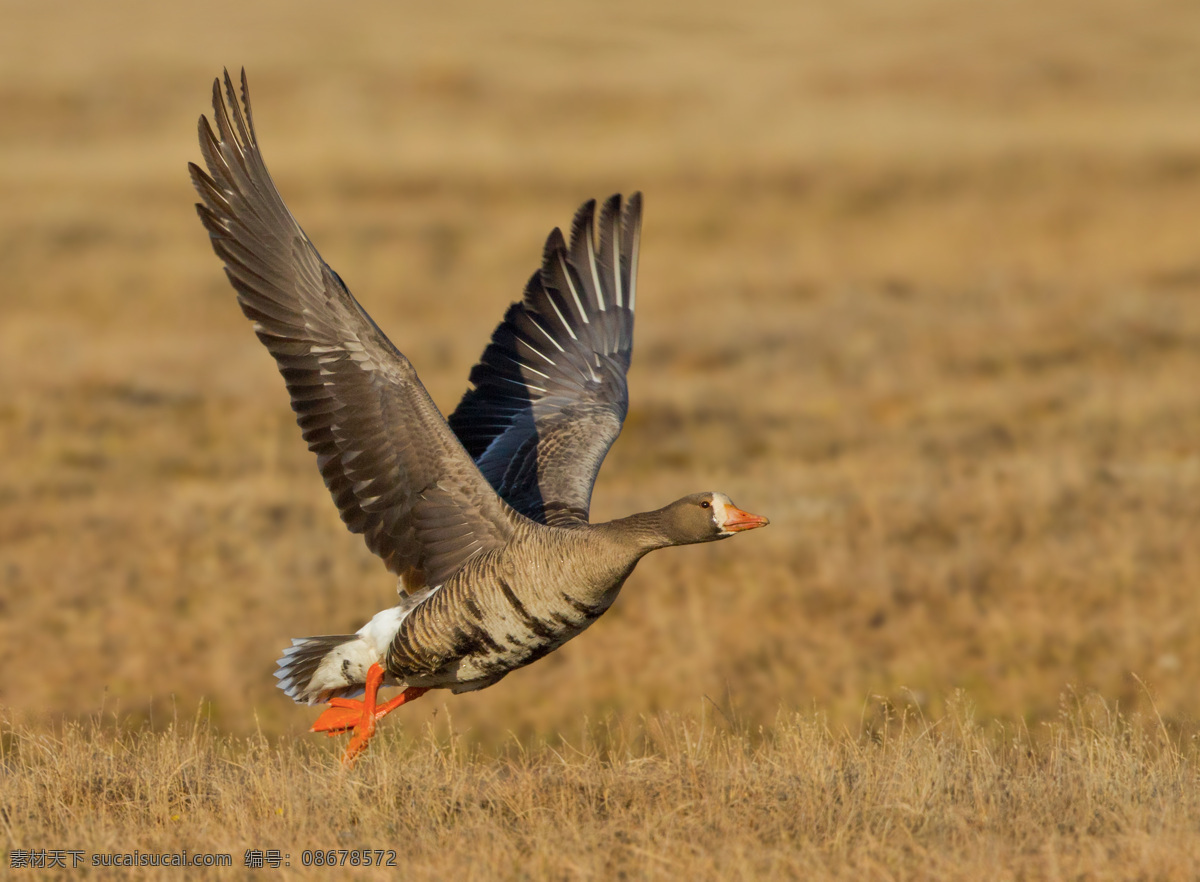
549 393
395 469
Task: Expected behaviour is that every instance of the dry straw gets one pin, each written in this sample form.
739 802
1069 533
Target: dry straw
1094 795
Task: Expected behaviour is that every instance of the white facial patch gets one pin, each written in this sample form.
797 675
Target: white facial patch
721 504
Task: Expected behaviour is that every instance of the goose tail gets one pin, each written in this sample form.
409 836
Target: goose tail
315 669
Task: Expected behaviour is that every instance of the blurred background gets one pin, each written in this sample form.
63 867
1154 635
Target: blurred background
919 281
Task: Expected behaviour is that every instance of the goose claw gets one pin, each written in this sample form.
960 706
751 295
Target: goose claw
352 715
342 716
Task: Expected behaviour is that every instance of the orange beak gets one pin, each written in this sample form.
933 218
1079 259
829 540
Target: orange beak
737 520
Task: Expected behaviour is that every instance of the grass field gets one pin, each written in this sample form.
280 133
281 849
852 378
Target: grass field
658 798
918 282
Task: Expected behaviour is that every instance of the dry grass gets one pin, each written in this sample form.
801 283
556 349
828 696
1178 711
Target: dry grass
919 282
1095 796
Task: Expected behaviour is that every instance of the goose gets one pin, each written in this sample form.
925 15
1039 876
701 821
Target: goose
483 518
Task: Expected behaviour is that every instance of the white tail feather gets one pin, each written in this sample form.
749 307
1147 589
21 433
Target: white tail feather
315 669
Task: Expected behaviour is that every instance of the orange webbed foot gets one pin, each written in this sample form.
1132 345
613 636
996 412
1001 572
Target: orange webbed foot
352 715
342 715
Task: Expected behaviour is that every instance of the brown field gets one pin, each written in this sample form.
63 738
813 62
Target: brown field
919 281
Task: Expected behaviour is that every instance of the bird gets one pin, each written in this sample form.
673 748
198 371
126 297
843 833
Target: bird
482 517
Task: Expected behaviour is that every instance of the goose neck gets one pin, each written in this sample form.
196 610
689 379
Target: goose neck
639 533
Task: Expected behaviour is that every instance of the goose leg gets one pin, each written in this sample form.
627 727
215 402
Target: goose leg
351 715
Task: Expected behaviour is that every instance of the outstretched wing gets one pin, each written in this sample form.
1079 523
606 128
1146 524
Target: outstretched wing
549 393
398 474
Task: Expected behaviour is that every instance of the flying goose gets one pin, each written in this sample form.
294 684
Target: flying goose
482 518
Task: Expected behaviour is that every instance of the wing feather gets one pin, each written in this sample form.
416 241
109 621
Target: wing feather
549 393
396 471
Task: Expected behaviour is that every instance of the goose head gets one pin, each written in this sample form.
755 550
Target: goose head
706 517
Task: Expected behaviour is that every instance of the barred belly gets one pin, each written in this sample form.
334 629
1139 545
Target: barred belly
470 637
